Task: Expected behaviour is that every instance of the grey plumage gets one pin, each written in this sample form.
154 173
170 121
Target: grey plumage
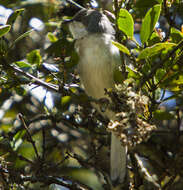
98 60
94 21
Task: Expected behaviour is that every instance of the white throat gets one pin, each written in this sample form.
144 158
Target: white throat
78 30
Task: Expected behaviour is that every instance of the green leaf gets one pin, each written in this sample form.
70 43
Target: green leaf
125 22
176 35
153 39
160 73
149 22
14 16
4 29
155 49
132 74
163 115
22 64
24 35
65 100
174 82
19 135
17 139
34 57
121 47
52 37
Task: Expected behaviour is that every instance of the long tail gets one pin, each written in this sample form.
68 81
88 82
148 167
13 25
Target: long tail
118 160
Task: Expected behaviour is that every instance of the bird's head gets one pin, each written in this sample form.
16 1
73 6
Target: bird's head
88 22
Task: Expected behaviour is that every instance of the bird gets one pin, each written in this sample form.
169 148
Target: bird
98 60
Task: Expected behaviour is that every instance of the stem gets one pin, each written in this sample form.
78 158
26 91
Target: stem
28 133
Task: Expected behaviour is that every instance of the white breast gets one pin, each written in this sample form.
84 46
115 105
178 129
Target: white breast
98 59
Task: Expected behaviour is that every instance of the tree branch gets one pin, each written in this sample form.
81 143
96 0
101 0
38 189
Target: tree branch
29 135
36 80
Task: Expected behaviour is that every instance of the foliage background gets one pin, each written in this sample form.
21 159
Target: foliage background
51 138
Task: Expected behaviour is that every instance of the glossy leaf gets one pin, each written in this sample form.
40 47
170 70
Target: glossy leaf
4 29
155 49
125 22
149 22
121 47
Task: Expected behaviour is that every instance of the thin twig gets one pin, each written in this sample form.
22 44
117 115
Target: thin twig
35 80
75 4
25 159
28 133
